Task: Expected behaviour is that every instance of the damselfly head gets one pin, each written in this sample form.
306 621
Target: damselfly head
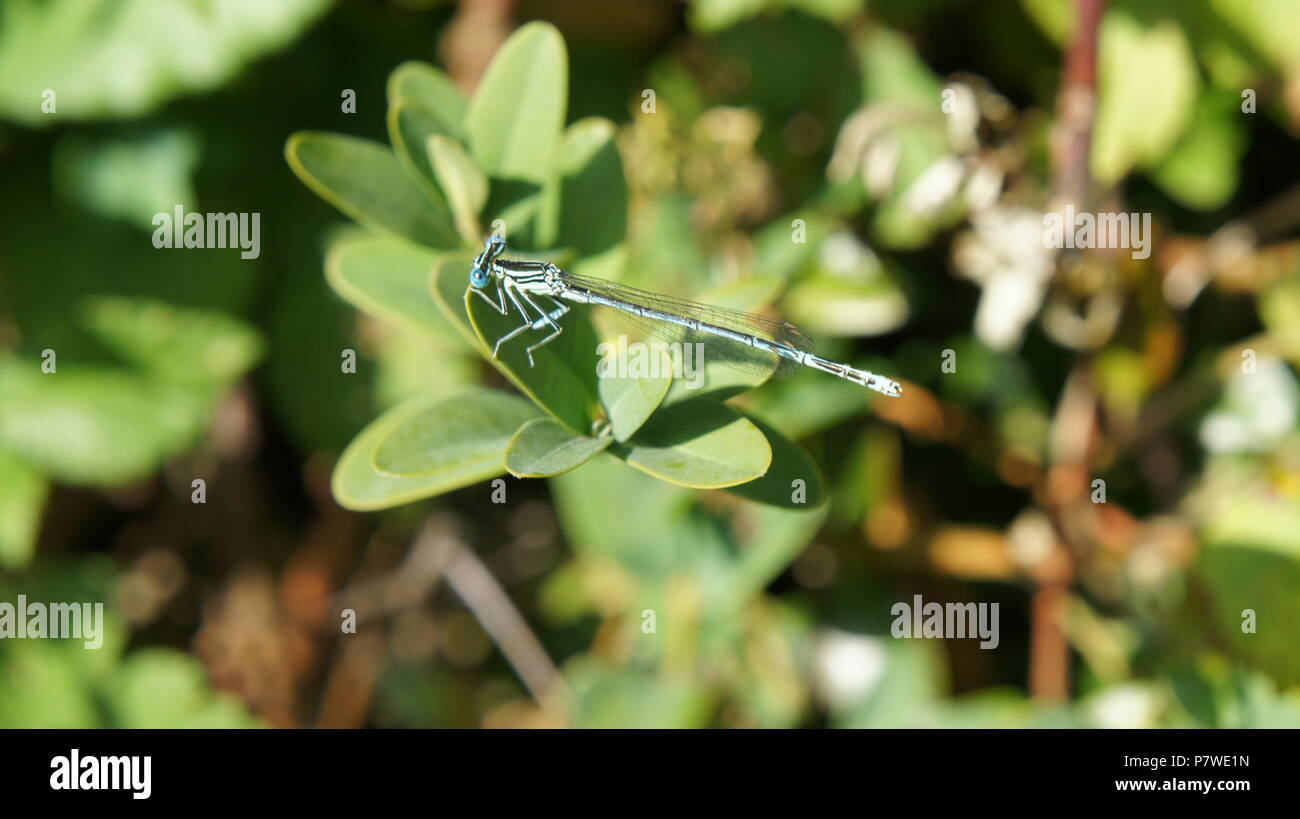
481 273
479 276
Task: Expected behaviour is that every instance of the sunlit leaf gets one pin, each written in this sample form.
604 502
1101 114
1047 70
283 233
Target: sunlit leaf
453 435
364 180
120 58
22 496
356 483
386 277
544 447
517 112
701 444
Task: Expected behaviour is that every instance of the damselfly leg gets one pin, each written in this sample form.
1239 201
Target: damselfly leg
550 318
544 318
501 307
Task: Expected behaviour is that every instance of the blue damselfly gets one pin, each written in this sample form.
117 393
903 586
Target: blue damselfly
742 340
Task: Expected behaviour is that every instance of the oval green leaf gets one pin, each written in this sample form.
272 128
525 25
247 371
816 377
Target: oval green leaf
454 434
365 181
593 191
21 503
630 397
562 378
423 101
357 485
544 447
386 277
419 84
461 182
409 128
701 444
515 118
790 463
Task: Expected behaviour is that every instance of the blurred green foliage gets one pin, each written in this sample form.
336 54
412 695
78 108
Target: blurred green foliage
794 155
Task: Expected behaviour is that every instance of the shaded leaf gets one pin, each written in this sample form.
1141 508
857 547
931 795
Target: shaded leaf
462 182
173 344
417 83
1201 169
95 426
422 102
563 378
790 463
593 192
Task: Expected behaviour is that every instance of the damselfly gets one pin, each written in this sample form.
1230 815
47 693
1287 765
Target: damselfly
742 340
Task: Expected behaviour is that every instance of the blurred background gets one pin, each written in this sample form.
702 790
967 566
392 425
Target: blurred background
1106 447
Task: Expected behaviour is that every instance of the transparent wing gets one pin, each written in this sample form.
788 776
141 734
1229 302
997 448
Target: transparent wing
716 348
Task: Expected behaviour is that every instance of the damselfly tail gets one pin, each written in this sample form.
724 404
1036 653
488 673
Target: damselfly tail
867 379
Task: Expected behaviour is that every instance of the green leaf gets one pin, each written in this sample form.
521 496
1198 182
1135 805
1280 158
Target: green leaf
718 380
130 177
1138 122
1267 25
630 400
22 496
123 58
1201 170
607 697
846 291
420 84
563 378
386 277
462 182
593 192
894 75
699 444
95 426
357 485
364 180
160 688
515 118
453 435
1251 561
544 447
810 402
423 101
409 128
790 463
173 344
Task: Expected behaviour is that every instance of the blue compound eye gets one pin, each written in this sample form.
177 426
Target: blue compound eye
478 277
